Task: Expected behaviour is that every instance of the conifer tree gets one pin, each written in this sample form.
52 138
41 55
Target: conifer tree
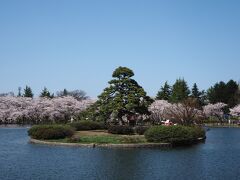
28 92
164 93
123 97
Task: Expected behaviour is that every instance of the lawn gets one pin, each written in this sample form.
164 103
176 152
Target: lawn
102 137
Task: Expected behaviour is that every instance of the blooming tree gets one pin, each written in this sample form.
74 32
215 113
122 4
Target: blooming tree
235 111
158 110
185 113
40 110
214 110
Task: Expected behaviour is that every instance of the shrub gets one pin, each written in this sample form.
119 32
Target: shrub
118 129
87 125
141 129
50 131
176 135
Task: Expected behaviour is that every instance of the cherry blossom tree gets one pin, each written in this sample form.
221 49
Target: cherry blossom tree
158 110
185 113
235 111
214 110
40 110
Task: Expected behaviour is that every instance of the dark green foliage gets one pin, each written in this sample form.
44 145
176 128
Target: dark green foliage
19 92
224 92
195 92
164 93
46 93
123 72
123 97
176 135
198 95
65 92
28 92
117 129
180 91
141 129
87 125
50 132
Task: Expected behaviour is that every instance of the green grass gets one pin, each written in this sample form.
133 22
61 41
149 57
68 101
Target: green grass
103 139
110 139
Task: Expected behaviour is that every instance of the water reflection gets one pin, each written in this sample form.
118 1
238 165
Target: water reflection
217 158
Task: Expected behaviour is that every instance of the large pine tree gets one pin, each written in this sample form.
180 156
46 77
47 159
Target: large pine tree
123 97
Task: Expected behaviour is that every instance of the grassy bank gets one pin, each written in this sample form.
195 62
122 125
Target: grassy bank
101 137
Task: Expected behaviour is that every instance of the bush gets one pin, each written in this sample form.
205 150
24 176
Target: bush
141 129
117 129
50 132
176 135
87 125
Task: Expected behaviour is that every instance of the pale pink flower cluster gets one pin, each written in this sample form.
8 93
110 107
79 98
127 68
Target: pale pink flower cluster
235 111
162 110
214 110
158 110
27 110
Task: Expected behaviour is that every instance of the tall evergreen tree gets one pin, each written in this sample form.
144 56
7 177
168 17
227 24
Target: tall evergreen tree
46 93
198 95
123 97
28 92
164 93
224 92
180 91
195 92
232 93
19 92
65 92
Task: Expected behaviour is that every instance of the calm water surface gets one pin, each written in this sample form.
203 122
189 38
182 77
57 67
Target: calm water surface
218 158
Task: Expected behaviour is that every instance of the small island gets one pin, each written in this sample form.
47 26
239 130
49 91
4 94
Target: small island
124 116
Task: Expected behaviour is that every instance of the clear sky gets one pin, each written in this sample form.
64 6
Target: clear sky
76 44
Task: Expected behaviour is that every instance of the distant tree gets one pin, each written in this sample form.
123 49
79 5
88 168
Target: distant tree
232 93
25 110
19 91
28 92
164 93
65 92
224 92
158 111
77 94
180 91
7 94
46 93
195 92
123 98
215 110
238 94
198 95
185 113
235 112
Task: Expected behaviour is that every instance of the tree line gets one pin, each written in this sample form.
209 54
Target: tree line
124 101
228 93
27 92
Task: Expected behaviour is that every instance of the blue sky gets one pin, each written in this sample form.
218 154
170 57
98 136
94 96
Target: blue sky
77 44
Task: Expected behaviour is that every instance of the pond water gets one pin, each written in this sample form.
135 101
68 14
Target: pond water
218 158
